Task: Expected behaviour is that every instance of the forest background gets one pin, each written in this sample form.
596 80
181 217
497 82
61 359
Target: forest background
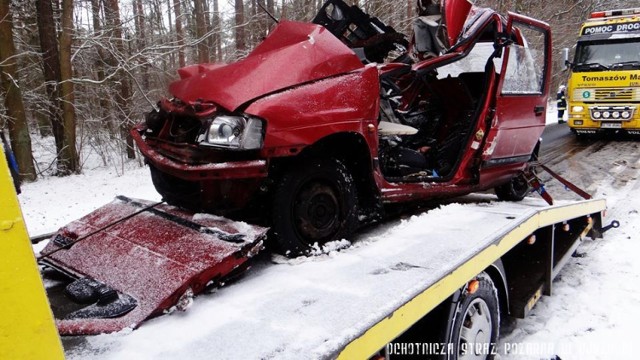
76 75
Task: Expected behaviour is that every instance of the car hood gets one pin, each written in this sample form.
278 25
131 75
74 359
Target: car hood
294 53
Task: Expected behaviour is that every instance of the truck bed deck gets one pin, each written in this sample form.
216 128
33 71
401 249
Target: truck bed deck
315 307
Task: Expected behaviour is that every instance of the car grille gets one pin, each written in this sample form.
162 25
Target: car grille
617 94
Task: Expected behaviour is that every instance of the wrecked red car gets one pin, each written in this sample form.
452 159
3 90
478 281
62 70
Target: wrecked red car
325 123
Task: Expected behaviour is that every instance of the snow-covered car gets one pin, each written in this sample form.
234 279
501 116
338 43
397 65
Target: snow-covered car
325 123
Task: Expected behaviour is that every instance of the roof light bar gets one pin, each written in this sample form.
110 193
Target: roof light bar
609 13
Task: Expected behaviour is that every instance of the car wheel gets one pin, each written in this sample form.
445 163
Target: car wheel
314 202
515 190
475 327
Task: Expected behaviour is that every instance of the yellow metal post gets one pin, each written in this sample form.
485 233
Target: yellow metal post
27 329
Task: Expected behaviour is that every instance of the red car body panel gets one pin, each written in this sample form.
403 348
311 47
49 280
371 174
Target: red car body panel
318 55
455 13
520 117
152 257
211 171
297 120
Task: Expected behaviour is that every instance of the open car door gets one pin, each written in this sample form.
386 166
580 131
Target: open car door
523 88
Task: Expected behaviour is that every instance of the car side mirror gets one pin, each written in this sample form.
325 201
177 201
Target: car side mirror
566 64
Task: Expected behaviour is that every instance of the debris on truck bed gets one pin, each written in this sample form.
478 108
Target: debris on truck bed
133 259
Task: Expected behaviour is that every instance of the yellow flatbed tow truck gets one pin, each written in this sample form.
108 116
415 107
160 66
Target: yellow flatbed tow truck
435 284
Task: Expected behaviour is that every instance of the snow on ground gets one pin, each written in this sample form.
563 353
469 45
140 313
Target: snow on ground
593 310
592 314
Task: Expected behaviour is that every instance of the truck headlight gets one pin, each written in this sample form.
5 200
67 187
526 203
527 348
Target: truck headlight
234 132
578 108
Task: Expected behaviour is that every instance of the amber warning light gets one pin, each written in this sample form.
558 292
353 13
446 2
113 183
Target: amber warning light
473 286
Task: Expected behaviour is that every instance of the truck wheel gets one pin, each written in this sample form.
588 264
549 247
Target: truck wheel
515 190
314 203
475 327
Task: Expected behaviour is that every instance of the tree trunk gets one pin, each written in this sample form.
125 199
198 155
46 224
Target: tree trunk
68 155
112 14
240 36
100 62
271 7
141 42
201 30
209 30
263 19
179 33
51 71
217 27
18 129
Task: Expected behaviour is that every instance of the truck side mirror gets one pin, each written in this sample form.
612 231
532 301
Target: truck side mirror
566 64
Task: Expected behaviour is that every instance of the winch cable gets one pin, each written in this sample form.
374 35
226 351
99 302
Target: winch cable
67 246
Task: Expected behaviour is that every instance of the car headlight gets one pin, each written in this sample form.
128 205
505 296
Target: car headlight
234 132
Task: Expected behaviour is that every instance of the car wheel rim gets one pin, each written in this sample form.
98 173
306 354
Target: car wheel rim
476 331
317 212
520 185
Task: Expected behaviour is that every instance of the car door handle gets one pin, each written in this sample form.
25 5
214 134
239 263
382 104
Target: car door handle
538 110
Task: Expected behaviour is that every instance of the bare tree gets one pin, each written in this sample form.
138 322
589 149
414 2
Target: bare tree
201 30
239 26
179 32
217 29
14 105
141 41
66 159
117 60
99 62
67 96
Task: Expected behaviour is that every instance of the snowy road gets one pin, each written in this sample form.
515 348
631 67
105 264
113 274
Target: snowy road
592 313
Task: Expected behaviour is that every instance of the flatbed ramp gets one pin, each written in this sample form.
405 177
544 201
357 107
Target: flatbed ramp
344 304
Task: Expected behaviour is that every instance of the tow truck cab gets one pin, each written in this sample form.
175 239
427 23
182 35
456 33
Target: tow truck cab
602 90
325 123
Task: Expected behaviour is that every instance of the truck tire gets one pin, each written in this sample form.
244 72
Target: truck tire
515 190
314 202
475 326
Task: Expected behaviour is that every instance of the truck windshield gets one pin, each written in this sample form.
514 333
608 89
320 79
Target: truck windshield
610 55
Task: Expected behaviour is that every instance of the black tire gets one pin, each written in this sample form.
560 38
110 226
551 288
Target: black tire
314 202
515 190
476 323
